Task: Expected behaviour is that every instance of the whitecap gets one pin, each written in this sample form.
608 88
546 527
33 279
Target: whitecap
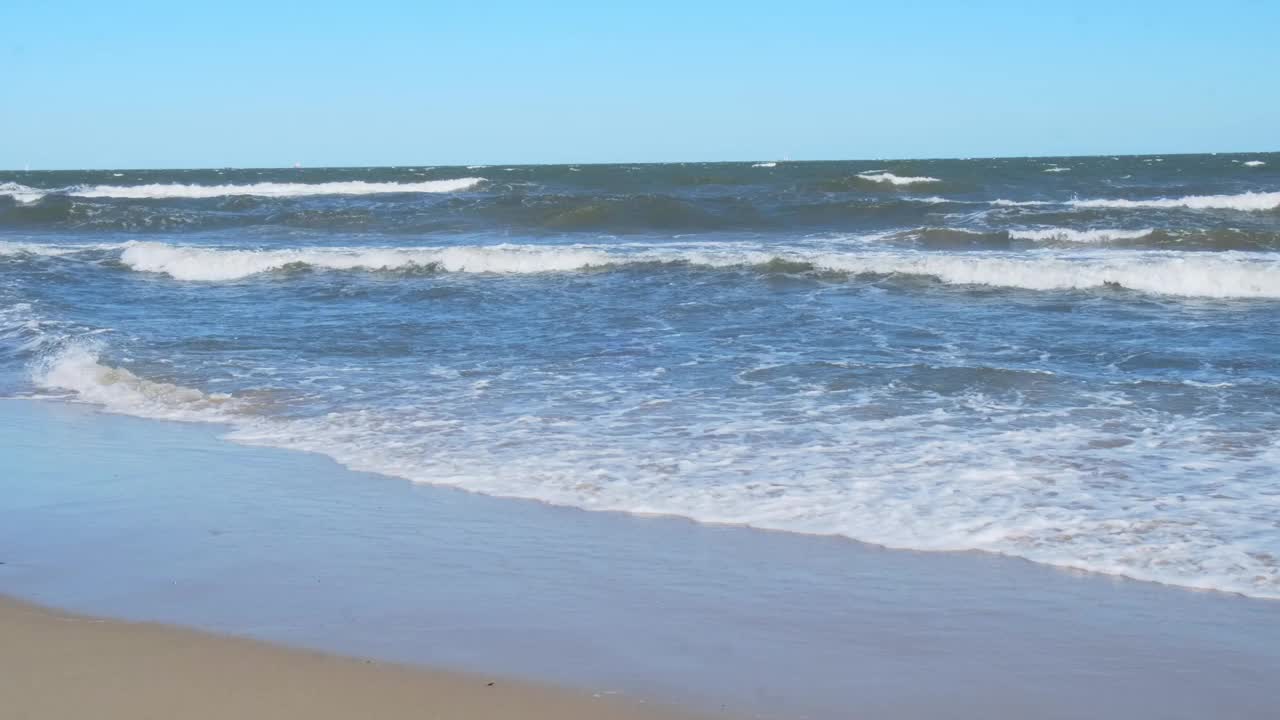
1019 203
1217 275
214 264
271 189
1249 201
76 367
1097 235
22 193
890 178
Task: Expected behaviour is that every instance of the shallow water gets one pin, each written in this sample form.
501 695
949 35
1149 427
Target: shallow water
157 521
1070 360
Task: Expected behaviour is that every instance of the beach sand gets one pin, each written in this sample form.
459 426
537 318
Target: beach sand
59 665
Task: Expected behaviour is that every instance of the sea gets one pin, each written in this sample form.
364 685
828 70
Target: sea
1071 360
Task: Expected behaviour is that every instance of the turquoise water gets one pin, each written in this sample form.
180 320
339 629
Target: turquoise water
1070 360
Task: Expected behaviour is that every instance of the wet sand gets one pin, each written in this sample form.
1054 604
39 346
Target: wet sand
59 665
152 521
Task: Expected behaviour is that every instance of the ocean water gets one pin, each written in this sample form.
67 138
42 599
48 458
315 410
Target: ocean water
1070 360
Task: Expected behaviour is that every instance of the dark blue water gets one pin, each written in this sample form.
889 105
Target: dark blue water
1072 360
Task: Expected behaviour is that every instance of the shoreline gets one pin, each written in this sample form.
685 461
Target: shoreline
58 664
145 520
224 430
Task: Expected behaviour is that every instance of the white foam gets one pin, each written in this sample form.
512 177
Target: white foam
1249 201
936 199
10 248
270 189
927 478
1216 275
212 264
76 368
931 481
890 178
1254 163
1069 235
765 164
22 193
1019 203
1056 169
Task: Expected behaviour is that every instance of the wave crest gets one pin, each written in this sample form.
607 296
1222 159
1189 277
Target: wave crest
213 265
22 193
891 179
77 368
1221 275
1068 235
355 187
1249 201
1163 274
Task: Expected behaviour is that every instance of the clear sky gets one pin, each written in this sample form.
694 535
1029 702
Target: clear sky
174 83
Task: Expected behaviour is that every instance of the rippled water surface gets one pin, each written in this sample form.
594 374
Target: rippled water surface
1072 360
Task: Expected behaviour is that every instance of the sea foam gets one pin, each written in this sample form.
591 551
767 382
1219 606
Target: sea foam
1181 274
21 193
1001 202
1031 492
1217 275
76 367
891 179
1249 201
920 389
1069 235
271 189
212 265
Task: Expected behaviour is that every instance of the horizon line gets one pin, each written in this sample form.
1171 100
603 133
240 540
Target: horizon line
477 166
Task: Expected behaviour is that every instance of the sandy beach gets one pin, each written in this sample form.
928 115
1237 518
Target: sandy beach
55 664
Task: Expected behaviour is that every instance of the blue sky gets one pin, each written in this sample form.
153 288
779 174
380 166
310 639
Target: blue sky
379 82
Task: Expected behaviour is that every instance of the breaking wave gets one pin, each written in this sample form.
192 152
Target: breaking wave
158 191
1019 203
77 368
356 187
1249 201
1068 235
890 178
1075 525
1219 275
1241 276
21 193
212 265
